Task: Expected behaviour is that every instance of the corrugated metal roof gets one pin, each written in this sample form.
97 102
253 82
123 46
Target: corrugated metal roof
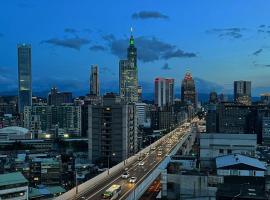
12 178
228 160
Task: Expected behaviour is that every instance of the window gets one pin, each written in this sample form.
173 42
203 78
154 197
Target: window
229 151
221 150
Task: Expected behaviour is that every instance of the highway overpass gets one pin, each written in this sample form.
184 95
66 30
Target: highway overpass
155 159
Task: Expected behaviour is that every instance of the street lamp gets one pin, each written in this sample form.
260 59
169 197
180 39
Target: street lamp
113 154
76 180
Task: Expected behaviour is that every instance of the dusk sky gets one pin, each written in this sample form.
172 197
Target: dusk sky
218 41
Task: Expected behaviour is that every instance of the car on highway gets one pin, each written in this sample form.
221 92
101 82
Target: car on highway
125 175
146 153
141 163
133 179
153 148
159 153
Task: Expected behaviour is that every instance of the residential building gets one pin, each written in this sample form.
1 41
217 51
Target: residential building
24 76
45 171
41 118
112 130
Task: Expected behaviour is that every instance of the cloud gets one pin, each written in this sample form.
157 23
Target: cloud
108 37
149 15
70 30
263 29
8 79
97 48
234 33
178 53
166 67
74 43
256 53
149 48
261 65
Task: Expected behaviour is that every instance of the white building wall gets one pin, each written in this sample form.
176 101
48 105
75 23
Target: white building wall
213 145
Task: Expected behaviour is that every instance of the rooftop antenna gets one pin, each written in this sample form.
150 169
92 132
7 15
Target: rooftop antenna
131 30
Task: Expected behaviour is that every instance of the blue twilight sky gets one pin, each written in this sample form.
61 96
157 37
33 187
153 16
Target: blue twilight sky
218 41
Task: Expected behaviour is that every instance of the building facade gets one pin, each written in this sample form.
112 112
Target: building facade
57 98
188 90
24 76
65 118
13 186
213 145
242 92
112 130
164 91
128 74
94 81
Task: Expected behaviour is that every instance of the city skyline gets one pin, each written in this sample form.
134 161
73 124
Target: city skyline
73 42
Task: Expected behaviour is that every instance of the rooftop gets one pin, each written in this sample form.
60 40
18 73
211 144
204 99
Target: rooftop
14 129
236 159
45 191
12 178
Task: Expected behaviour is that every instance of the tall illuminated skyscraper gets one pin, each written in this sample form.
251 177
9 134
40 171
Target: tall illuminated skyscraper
128 74
94 81
24 76
188 91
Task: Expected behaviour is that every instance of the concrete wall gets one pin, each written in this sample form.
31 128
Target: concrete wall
213 145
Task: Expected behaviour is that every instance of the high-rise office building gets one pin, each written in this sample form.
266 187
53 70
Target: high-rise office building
24 76
112 130
242 92
94 81
164 91
188 90
128 74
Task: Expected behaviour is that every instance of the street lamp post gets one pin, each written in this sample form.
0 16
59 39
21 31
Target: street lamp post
113 154
76 181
